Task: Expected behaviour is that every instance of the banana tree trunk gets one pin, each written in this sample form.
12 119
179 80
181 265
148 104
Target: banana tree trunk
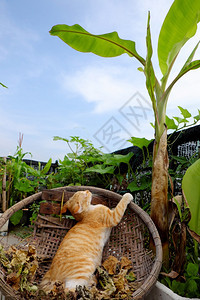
159 198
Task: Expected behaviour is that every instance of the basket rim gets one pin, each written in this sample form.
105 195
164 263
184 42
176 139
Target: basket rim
150 281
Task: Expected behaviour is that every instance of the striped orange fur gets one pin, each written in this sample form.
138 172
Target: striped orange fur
80 252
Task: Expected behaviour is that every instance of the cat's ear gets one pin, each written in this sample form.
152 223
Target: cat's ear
88 192
78 208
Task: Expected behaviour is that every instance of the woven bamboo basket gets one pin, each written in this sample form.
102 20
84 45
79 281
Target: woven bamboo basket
129 238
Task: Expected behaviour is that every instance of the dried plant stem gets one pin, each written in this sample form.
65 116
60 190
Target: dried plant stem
4 203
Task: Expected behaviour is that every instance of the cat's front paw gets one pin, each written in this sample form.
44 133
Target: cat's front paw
128 197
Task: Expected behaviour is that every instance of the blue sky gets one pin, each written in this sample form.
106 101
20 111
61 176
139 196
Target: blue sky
55 91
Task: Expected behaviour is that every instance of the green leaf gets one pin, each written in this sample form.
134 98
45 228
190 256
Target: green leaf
192 269
140 69
170 123
101 169
182 160
105 45
133 186
24 185
120 178
178 207
117 159
191 189
178 287
192 66
148 69
3 85
16 217
190 58
185 113
192 288
178 27
181 120
140 142
197 118
186 216
130 276
152 124
46 167
58 138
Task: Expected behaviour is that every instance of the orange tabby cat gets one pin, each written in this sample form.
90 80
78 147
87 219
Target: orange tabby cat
80 252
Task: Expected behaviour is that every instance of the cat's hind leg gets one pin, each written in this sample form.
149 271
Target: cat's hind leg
47 286
71 284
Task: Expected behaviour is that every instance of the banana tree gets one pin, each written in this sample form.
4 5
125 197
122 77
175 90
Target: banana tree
178 27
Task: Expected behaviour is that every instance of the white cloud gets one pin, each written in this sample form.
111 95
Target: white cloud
108 88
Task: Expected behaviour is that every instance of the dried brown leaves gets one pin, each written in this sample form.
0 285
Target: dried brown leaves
115 279
19 267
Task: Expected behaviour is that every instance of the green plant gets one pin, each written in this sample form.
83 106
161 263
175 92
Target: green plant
39 176
141 143
2 171
18 185
108 166
16 217
188 285
178 27
183 277
87 165
179 123
22 180
34 208
191 190
71 169
142 177
178 166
